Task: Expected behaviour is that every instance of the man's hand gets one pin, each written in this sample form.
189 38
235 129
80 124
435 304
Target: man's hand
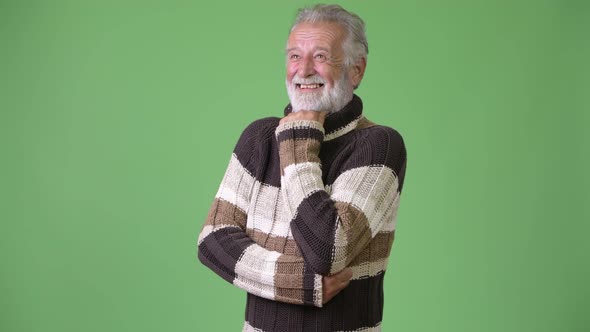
305 115
333 284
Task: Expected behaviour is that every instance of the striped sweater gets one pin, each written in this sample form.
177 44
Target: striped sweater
299 201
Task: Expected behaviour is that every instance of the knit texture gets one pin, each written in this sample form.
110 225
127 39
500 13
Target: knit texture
302 200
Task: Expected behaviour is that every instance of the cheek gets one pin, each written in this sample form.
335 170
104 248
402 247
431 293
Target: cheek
329 80
327 73
291 71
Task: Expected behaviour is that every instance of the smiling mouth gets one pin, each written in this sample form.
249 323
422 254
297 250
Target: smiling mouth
309 86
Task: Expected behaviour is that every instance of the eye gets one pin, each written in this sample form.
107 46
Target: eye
293 56
320 57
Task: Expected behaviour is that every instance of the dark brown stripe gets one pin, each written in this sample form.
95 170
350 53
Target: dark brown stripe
377 145
360 305
315 235
300 133
308 284
221 250
336 120
256 135
313 228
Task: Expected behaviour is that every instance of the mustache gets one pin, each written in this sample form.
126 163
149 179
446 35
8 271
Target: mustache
308 80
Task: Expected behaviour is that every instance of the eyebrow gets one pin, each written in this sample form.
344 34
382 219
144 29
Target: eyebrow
316 49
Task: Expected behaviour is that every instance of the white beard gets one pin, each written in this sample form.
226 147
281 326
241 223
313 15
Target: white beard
331 100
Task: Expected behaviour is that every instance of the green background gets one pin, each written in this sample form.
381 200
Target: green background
118 120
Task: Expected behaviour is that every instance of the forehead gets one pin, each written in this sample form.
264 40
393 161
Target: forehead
323 34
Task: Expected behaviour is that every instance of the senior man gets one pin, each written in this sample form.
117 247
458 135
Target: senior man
304 218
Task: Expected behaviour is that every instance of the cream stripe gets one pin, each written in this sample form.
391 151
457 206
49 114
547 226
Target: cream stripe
299 181
344 130
389 225
369 269
256 288
267 213
318 290
339 250
237 185
255 271
371 189
249 328
299 124
367 329
204 232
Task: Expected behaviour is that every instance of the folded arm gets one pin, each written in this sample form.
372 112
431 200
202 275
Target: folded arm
333 224
225 247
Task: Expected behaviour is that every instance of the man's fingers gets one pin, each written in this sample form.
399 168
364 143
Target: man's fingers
345 274
335 283
304 115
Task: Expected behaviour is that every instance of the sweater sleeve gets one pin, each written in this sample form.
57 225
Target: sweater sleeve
333 224
225 247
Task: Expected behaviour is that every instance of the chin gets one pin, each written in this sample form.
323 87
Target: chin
309 101
328 100
316 107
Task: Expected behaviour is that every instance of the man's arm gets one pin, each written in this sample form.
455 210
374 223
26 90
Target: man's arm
333 228
225 248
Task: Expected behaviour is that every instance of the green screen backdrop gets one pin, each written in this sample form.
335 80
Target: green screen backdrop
118 119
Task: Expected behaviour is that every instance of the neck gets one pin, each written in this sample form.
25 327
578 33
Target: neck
342 121
341 104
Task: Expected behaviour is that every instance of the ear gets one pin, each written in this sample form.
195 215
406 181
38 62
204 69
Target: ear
357 71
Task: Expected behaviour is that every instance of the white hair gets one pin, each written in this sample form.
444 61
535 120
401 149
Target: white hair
325 101
355 45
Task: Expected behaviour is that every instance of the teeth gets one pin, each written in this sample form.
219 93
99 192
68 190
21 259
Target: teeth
310 86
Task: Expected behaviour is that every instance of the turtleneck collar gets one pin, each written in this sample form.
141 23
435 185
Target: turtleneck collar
341 122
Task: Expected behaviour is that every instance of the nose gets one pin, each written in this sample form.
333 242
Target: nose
306 67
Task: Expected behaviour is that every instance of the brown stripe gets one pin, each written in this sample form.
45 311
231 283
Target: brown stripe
356 226
275 243
365 123
299 151
379 248
225 213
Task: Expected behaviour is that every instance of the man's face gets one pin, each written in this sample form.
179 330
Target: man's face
316 77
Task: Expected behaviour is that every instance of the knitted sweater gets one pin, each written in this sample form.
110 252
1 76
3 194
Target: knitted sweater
299 201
